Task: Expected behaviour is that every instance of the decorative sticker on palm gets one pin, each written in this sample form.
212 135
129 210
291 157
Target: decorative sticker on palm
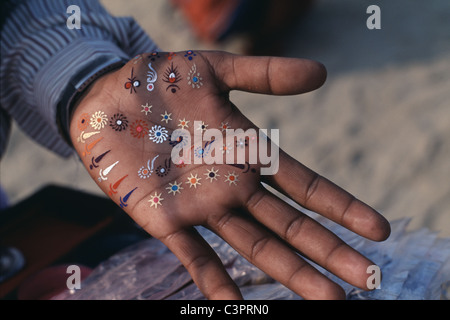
153 123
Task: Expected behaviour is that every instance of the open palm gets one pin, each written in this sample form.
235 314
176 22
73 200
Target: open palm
125 131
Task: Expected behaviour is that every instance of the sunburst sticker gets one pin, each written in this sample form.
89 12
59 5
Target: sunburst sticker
98 120
202 127
175 187
211 174
224 126
231 178
183 123
193 181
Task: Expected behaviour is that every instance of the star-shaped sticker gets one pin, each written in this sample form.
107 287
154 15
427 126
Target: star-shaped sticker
183 123
166 117
146 108
155 200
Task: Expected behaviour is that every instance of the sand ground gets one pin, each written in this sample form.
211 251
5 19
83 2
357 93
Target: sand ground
379 127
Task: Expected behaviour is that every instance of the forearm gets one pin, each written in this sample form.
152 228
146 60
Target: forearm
41 59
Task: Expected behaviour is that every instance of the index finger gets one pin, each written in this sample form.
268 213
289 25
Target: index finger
320 195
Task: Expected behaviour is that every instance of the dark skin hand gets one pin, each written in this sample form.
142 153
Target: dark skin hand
234 204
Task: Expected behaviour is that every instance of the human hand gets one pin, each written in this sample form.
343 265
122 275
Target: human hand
122 128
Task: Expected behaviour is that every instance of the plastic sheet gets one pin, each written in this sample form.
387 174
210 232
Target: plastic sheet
415 265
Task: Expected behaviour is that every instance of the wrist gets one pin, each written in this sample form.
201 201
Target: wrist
87 102
78 87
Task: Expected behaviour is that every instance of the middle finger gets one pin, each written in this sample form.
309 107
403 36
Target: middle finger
268 253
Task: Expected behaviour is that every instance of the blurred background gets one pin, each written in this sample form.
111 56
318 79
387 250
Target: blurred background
379 127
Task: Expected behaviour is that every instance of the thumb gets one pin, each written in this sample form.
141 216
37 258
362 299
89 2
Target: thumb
269 75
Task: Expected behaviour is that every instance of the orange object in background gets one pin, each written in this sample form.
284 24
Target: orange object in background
209 19
267 23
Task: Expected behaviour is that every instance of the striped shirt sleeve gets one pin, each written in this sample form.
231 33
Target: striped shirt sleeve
40 54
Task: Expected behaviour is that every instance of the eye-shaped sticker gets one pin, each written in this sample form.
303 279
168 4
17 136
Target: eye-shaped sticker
172 76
